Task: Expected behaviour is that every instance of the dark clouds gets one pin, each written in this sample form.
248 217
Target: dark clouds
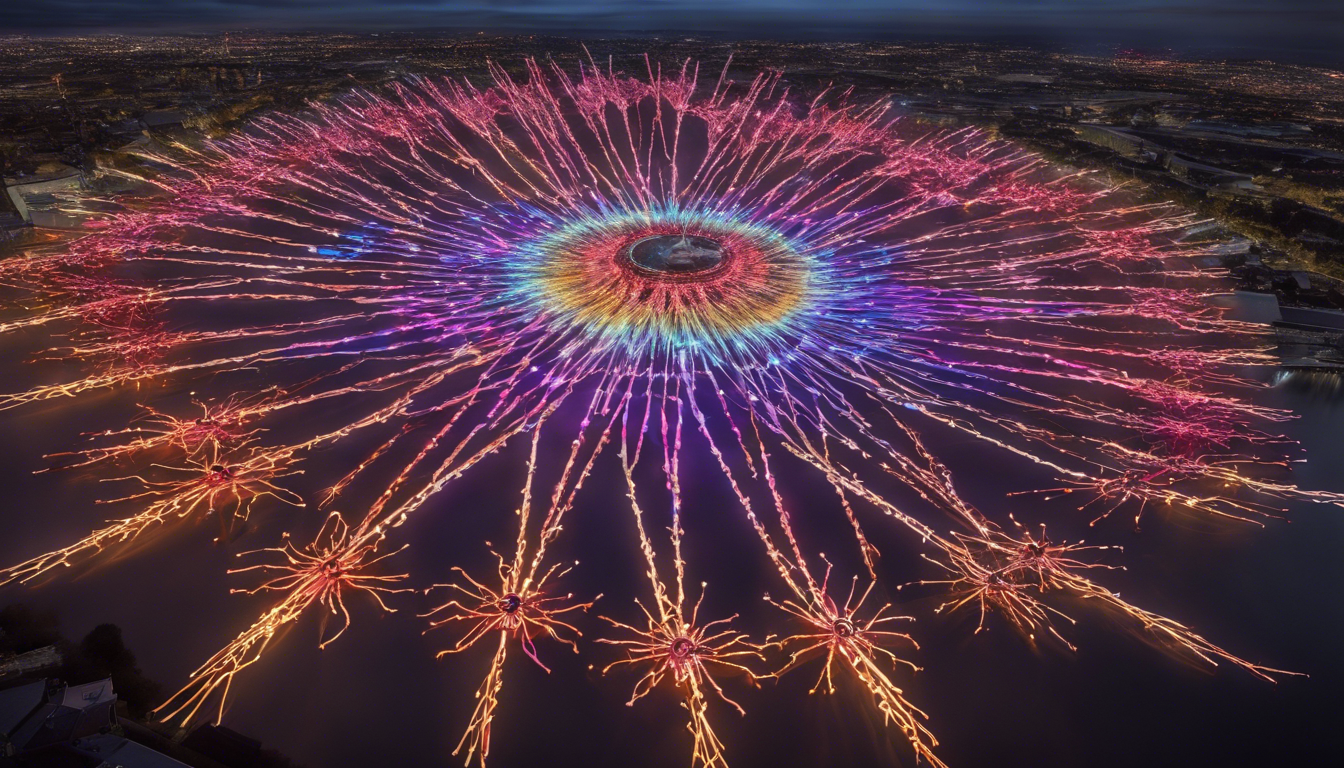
1283 26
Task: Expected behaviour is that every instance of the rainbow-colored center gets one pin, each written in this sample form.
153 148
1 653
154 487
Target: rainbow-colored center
669 279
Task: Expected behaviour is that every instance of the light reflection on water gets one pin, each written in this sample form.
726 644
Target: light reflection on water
1270 594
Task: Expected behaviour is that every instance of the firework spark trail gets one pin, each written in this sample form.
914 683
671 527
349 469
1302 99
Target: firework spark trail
835 287
995 570
674 644
858 644
522 606
218 425
858 637
1013 575
318 574
224 485
328 566
216 676
310 588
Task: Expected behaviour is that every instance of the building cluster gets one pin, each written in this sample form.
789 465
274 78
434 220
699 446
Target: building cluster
47 722
1258 145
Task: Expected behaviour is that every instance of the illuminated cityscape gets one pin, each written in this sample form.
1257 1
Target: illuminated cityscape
442 398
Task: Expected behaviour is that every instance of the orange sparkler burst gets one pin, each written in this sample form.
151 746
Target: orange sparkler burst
522 610
1010 575
1153 485
858 637
228 486
680 650
1006 575
519 608
333 562
1212 485
219 425
317 574
522 606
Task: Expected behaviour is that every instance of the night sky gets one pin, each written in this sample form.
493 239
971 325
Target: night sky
1279 28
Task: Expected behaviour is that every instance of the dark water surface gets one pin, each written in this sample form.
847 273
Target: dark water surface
378 696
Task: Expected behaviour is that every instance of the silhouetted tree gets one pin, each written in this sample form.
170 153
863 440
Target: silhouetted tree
103 653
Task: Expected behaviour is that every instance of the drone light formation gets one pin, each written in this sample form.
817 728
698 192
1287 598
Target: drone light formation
652 266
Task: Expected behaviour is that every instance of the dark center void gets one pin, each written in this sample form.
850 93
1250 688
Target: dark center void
678 254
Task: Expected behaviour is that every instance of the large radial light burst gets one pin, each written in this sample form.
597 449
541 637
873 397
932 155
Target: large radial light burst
654 266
